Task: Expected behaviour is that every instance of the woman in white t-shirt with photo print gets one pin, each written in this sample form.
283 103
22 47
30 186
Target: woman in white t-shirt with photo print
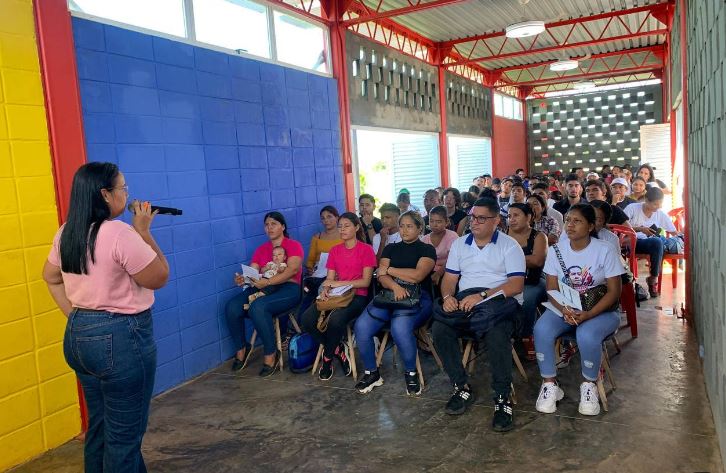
590 262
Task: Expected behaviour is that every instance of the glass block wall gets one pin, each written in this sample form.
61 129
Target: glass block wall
591 129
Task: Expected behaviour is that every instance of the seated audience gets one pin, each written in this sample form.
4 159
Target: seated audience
534 246
496 185
402 266
430 199
588 263
285 297
597 190
648 221
349 263
505 196
441 239
389 233
483 263
371 225
621 189
541 221
452 202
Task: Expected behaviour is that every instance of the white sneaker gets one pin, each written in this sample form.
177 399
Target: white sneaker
549 394
589 400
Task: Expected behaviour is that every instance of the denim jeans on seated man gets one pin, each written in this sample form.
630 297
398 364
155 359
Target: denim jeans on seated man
114 357
261 311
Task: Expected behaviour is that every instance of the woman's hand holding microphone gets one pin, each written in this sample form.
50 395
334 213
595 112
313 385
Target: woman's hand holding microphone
142 217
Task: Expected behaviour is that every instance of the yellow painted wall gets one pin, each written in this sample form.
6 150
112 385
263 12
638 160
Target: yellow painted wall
38 398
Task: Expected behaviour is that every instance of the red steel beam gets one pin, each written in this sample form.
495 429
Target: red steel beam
534 65
592 75
561 47
400 11
554 24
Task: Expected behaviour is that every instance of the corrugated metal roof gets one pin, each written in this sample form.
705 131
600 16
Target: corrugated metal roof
476 17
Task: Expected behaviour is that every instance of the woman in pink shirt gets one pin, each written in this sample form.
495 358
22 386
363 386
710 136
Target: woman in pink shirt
102 272
440 238
283 294
349 263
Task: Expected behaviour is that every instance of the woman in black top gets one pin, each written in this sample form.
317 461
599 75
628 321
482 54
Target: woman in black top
534 245
452 202
407 262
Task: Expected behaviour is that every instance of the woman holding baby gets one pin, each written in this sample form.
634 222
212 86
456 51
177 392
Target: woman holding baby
281 258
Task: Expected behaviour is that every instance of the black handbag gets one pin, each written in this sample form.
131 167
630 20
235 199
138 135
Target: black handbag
590 297
386 299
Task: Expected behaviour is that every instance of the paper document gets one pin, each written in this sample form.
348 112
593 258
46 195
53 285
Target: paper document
496 294
250 272
338 291
551 306
320 269
566 296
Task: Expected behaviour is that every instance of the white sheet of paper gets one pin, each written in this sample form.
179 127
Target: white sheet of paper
570 296
340 290
320 270
552 307
250 272
498 293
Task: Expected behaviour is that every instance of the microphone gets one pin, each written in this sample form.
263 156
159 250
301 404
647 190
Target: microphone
161 210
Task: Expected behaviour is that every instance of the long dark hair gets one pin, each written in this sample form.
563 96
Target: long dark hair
279 218
87 211
353 218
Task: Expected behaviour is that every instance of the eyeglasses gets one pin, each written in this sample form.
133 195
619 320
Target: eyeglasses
125 188
481 218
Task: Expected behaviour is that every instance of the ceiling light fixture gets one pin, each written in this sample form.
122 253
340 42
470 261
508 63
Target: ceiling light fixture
564 65
525 29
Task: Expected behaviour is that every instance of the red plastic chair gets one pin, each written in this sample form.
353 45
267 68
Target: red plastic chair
627 238
678 216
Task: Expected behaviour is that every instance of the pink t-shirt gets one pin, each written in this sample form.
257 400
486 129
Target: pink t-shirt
120 253
442 251
263 254
348 264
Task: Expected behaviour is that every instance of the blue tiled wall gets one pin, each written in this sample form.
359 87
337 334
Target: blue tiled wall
222 137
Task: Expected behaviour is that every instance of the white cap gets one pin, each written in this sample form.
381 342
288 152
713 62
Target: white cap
596 175
621 181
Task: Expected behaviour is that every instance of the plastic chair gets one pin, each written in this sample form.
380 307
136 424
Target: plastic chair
678 216
627 238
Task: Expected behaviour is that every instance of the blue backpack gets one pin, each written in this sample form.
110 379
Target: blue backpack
301 352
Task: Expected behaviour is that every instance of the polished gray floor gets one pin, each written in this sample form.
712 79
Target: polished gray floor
659 420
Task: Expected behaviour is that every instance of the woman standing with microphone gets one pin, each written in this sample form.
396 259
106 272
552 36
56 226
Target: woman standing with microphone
102 272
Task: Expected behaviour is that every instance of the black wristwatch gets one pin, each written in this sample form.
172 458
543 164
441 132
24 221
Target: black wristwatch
484 295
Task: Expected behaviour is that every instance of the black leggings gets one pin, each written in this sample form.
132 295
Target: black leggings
337 323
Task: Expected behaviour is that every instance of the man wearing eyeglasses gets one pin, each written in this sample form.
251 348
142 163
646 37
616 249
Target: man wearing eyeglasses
483 263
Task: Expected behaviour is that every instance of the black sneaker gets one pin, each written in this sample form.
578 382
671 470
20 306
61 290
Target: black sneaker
370 380
341 353
413 386
460 401
269 370
326 370
503 415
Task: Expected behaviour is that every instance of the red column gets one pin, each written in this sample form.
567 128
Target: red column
62 96
333 11
438 54
63 108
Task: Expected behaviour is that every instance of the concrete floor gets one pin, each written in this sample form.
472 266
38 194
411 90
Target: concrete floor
659 420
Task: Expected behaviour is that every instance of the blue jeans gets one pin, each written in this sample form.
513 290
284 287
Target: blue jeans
403 323
589 334
652 246
114 357
285 297
533 295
